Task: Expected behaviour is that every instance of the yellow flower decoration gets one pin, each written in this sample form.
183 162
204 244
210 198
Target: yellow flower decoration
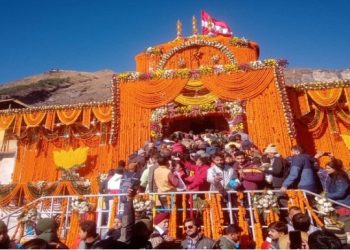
71 158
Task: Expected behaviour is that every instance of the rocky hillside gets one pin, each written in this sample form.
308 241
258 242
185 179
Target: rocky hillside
60 87
69 87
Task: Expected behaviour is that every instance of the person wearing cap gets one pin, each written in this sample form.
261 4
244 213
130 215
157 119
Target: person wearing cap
5 242
160 232
46 229
279 166
231 238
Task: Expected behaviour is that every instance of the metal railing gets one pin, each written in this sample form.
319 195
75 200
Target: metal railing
51 206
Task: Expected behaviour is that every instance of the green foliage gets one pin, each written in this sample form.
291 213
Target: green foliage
44 83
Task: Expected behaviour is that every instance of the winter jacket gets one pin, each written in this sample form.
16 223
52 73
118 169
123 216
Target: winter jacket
202 243
226 243
302 174
279 168
227 173
252 178
197 182
338 189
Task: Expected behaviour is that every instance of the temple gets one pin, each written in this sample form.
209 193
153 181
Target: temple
190 83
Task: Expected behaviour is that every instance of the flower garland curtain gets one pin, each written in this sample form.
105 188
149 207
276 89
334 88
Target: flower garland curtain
325 98
6 121
35 161
68 117
239 85
136 101
266 123
34 119
102 113
322 129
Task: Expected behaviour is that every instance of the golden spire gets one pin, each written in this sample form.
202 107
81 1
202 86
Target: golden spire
194 26
179 29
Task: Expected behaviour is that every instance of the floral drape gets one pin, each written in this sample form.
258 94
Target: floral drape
47 117
328 118
266 119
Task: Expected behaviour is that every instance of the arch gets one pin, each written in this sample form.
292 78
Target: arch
225 50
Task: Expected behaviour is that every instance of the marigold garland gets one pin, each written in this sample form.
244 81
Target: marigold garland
62 218
242 222
155 197
301 199
257 228
172 221
184 209
312 212
113 212
220 212
206 218
73 229
293 198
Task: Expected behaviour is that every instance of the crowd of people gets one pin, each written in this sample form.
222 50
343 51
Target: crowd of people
214 161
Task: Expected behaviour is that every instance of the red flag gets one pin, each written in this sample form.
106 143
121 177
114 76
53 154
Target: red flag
211 26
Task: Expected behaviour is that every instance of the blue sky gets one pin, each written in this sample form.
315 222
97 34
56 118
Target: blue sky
90 35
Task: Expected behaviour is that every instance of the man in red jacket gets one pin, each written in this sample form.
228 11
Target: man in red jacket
251 177
197 182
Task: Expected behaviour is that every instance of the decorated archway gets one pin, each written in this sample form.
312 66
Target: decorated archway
214 122
218 115
197 109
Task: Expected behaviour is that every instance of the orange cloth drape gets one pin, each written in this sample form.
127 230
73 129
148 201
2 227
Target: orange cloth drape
68 117
86 117
319 134
103 113
137 99
6 121
239 85
325 98
33 119
266 123
264 108
50 120
35 161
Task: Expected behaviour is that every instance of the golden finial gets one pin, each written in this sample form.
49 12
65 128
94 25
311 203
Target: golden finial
179 29
194 26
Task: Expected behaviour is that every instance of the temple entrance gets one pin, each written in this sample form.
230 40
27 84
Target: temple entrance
196 124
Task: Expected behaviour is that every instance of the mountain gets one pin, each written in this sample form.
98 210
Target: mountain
57 87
